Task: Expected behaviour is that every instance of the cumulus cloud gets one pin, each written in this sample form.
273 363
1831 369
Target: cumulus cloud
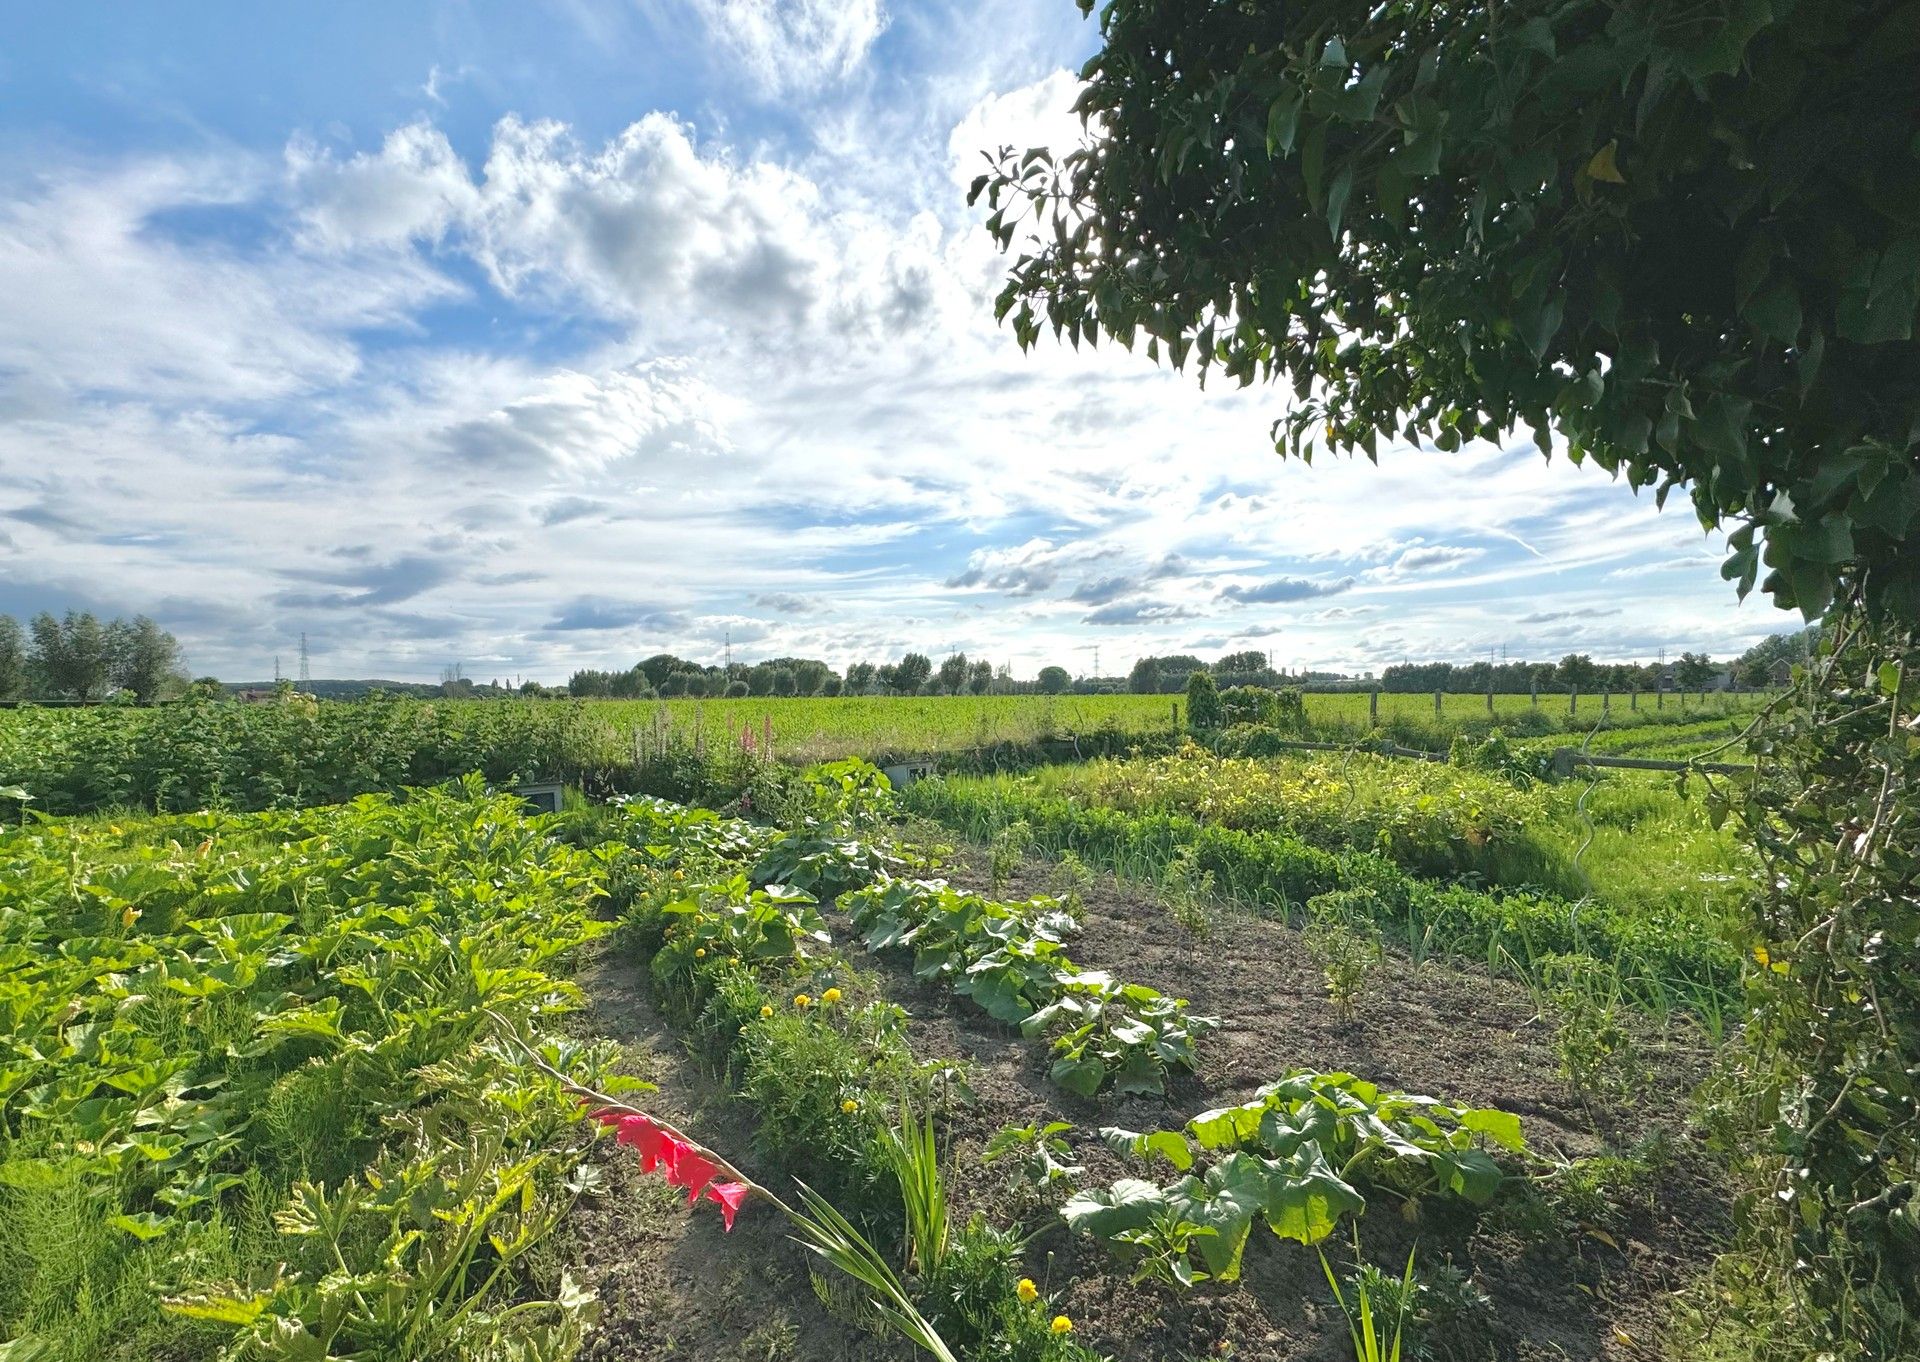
582 424
1418 558
1138 612
786 603
1282 590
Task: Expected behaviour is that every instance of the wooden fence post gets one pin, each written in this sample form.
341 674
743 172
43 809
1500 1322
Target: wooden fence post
1606 702
1633 699
1533 687
1573 699
1436 704
1373 708
1489 702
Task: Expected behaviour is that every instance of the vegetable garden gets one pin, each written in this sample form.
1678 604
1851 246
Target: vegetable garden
1177 1055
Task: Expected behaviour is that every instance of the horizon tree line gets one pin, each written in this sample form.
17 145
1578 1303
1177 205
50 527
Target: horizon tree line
79 658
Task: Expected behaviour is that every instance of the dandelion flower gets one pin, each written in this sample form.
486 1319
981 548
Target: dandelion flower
766 1010
849 1106
802 1000
699 952
1027 1291
1061 1325
832 995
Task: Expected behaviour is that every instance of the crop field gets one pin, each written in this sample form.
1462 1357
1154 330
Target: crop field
1131 1059
182 757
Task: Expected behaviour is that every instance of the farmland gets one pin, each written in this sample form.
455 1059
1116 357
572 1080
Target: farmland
313 1077
194 755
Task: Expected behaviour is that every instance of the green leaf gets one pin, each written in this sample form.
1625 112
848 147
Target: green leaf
1130 1204
1337 194
1775 311
1305 1198
1083 1075
143 1226
241 1310
1502 1127
1225 1201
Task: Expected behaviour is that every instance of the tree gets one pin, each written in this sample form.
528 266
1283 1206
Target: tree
662 665
13 658
785 683
1054 680
911 673
1685 240
860 678
760 679
979 676
1577 671
142 657
953 673
1588 217
1694 671
736 690
70 655
1144 679
1205 712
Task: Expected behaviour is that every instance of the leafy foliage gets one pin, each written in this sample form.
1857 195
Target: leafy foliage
1293 1156
1008 959
1826 1104
282 1021
1687 239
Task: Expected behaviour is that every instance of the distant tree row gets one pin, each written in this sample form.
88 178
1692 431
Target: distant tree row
667 676
79 658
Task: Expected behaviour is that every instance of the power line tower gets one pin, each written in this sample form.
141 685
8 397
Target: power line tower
276 669
728 671
306 665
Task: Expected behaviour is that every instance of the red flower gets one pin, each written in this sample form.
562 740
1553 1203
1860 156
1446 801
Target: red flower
691 1170
655 1146
729 1195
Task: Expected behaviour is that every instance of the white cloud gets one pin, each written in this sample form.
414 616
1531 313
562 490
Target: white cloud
792 47
99 298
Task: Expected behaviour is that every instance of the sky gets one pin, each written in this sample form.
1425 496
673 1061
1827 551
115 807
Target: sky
551 334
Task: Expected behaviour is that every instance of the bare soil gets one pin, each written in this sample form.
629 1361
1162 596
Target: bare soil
672 1286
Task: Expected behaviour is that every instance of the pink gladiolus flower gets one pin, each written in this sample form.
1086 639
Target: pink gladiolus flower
690 1170
655 1148
729 1195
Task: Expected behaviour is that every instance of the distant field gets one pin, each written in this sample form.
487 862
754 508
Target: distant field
252 756
878 726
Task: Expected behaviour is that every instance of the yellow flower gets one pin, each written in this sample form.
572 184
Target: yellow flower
1761 957
1061 1325
700 953
849 1106
832 995
802 1000
1027 1291
767 1011
679 874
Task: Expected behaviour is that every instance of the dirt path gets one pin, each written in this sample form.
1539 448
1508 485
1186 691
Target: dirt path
671 1283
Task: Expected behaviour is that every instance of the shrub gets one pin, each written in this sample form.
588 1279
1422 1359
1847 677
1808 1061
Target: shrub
1205 712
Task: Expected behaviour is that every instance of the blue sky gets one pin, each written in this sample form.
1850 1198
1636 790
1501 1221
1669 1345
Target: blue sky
534 336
